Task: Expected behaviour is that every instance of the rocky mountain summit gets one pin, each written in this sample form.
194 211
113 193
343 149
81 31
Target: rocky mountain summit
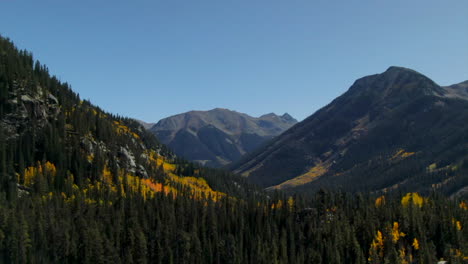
220 136
397 129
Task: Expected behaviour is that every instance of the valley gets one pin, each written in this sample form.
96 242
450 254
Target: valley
376 176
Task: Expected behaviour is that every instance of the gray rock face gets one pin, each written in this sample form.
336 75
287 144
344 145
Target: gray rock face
129 158
29 105
220 136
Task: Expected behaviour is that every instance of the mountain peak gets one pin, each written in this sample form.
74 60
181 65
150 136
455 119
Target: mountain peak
400 69
220 109
269 115
365 138
218 136
400 75
285 117
396 83
288 117
408 81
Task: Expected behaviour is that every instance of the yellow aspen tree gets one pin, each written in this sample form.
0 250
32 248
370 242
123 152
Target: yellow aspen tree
457 224
49 168
396 234
415 198
376 248
415 244
380 201
402 259
29 174
463 205
291 202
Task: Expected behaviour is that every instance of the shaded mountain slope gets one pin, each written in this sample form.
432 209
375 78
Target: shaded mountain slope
78 185
219 136
45 126
459 90
384 132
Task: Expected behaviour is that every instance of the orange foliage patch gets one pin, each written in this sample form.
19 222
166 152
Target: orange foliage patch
380 201
463 205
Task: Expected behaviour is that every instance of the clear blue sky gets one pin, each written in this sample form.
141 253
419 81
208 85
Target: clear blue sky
152 59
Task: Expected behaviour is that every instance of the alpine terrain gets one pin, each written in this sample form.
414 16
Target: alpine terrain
394 130
220 136
81 185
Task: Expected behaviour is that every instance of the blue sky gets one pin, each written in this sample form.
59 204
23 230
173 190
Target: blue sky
153 59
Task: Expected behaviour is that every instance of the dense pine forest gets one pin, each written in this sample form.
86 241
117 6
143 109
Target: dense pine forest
79 185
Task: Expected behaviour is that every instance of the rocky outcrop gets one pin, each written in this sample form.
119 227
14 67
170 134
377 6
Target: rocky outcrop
39 106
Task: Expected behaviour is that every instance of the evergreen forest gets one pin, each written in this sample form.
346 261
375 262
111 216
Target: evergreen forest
81 185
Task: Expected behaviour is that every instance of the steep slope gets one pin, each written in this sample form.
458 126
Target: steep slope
398 128
459 90
51 139
219 136
78 185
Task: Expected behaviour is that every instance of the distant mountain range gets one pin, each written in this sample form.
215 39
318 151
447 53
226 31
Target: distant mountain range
220 136
145 124
398 129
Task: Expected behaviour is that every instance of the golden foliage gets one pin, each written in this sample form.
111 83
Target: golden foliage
415 244
49 196
30 173
159 187
402 256
49 168
291 202
198 187
122 129
432 167
379 239
277 205
106 175
377 246
156 160
401 154
313 173
396 234
457 224
146 188
458 254
463 205
380 201
415 198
